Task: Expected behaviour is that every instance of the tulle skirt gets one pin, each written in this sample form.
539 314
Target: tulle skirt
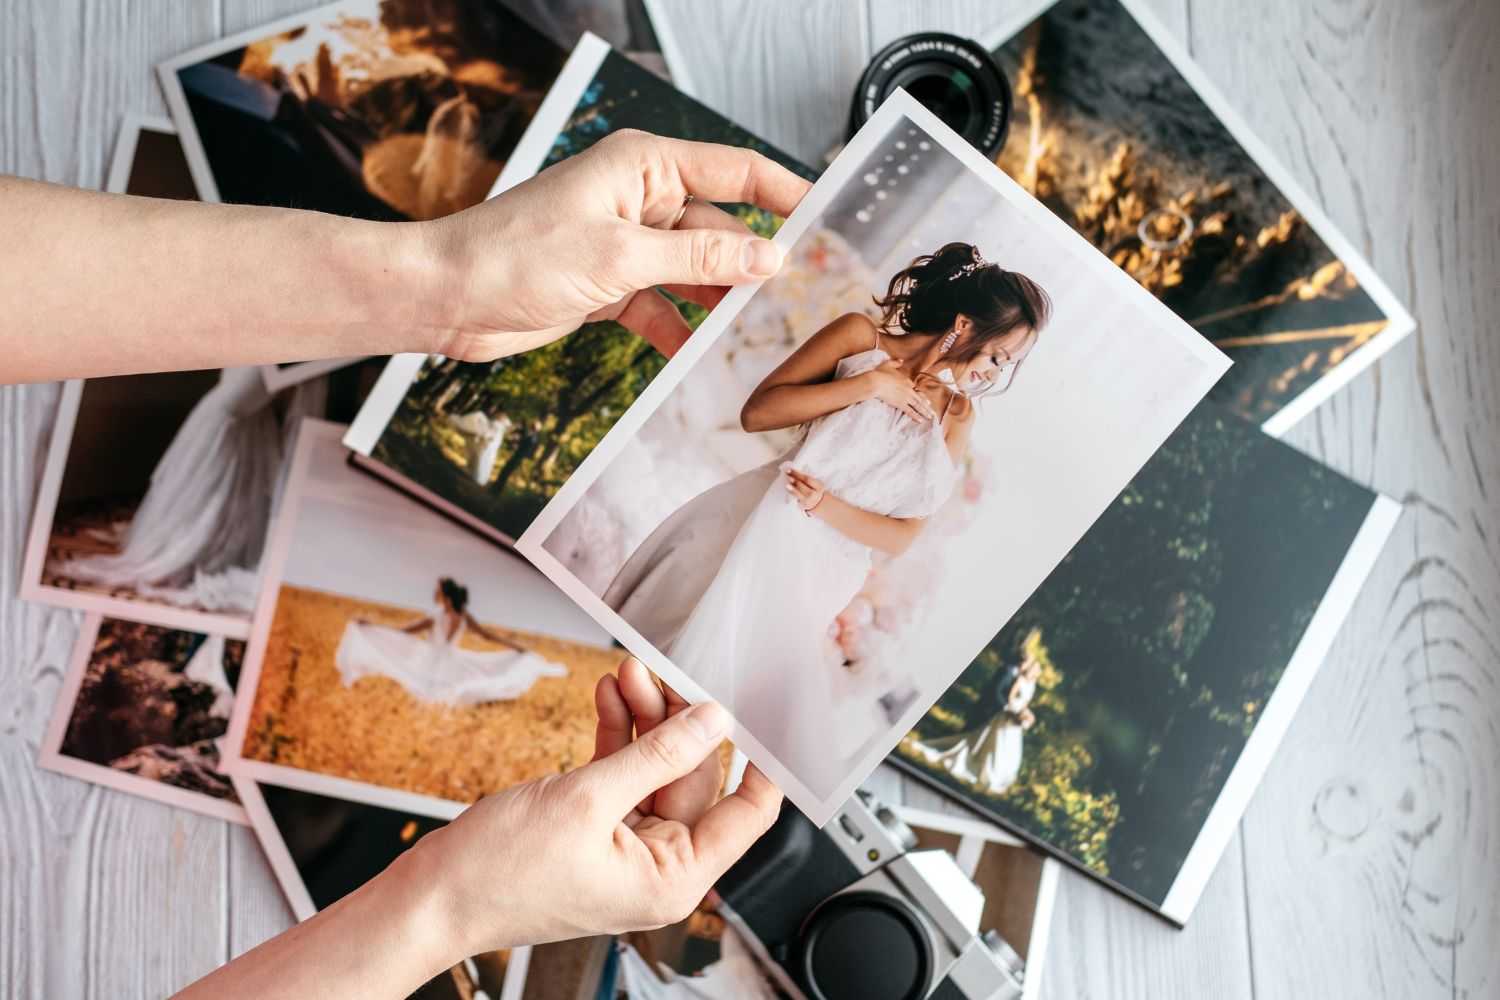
988 759
739 588
438 672
196 538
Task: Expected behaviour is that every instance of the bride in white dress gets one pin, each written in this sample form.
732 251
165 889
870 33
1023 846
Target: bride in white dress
483 435
437 668
740 585
195 540
989 758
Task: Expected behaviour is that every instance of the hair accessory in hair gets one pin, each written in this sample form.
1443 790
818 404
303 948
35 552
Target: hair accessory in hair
946 344
969 268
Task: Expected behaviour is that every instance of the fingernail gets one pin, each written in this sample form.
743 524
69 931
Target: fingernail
709 722
761 258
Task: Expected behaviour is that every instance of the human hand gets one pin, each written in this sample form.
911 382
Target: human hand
889 383
592 238
632 840
807 491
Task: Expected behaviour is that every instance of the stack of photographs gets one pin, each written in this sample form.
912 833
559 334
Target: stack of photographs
1080 590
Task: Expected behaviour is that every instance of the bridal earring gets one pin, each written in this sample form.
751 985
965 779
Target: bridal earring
946 344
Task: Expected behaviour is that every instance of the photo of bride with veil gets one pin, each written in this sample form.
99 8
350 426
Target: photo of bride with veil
834 506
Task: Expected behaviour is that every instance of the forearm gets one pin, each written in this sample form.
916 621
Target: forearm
891 535
778 406
385 939
98 284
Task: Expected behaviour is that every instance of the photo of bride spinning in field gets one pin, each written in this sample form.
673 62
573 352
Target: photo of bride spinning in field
841 497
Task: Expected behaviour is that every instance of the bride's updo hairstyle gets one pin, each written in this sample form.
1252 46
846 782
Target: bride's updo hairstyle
936 288
455 593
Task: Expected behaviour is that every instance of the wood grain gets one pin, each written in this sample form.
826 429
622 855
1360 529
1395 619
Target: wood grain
1373 834
1365 864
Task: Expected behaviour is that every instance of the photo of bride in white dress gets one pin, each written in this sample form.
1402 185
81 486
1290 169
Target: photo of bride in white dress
436 668
158 497
830 501
756 569
989 758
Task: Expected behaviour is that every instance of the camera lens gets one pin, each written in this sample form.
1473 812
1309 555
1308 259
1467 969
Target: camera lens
955 78
863 945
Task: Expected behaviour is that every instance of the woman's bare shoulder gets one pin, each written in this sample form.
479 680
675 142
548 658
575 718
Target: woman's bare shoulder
849 333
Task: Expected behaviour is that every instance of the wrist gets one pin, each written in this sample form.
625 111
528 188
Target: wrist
415 885
400 286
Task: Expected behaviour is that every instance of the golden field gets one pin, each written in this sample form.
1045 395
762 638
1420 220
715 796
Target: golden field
374 731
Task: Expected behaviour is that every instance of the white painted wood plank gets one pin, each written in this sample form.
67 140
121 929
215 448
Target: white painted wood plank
106 895
1369 849
784 69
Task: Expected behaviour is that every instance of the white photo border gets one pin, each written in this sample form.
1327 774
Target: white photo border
899 105
1399 321
51 757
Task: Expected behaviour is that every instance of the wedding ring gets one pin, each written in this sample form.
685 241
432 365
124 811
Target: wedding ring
682 211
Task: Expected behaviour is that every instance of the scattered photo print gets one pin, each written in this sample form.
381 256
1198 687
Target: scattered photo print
142 709
491 443
1105 720
397 660
378 109
323 848
1131 152
159 488
798 523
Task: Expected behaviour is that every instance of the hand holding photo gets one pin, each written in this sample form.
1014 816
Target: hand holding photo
921 413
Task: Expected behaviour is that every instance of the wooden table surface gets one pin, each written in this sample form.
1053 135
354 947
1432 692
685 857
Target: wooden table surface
1366 864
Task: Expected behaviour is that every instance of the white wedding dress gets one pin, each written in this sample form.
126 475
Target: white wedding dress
739 587
482 440
988 759
195 540
435 668
735 976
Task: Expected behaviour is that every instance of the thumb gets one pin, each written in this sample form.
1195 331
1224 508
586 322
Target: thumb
671 750
699 257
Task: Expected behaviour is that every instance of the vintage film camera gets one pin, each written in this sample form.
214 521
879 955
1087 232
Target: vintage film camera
853 911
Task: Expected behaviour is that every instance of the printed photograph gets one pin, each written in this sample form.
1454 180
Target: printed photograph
142 709
159 488
839 499
1105 719
493 442
324 848
378 109
149 161
396 657
1111 136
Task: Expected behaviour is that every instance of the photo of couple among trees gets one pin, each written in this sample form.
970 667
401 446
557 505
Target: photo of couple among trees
1104 719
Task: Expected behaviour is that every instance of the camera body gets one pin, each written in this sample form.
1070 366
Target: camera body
853 911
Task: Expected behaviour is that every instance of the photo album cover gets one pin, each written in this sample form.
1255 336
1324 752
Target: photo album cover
397 660
489 444
741 547
141 710
321 849
1120 133
157 489
1124 715
708 954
